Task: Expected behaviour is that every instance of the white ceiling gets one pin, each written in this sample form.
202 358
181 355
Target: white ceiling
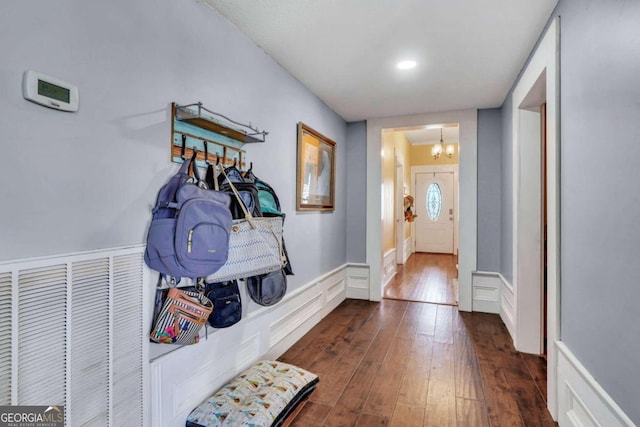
431 134
469 52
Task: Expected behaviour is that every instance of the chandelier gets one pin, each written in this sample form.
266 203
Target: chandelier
439 148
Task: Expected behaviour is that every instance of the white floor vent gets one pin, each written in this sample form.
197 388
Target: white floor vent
76 336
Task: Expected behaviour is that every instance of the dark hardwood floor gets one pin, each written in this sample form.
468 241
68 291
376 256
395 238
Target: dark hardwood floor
425 278
402 363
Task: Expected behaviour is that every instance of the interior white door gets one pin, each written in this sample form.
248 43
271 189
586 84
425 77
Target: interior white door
434 207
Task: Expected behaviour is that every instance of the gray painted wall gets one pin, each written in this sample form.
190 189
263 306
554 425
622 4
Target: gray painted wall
599 191
75 182
356 178
489 197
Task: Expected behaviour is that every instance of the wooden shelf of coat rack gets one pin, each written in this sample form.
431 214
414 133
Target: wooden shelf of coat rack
224 138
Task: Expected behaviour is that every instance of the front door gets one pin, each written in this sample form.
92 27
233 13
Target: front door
434 207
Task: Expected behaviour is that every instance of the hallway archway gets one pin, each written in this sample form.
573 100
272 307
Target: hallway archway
468 121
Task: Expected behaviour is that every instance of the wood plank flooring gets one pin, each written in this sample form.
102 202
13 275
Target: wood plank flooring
401 363
425 278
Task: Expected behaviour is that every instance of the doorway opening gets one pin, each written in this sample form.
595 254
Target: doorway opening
536 219
419 208
468 198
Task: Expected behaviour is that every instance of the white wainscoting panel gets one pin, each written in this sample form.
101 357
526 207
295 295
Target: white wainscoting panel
388 267
582 402
155 378
184 377
486 291
199 378
508 306
334 290
406 250
358 281
282 327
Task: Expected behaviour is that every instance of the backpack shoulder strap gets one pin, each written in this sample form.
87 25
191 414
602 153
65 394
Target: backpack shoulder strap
167 194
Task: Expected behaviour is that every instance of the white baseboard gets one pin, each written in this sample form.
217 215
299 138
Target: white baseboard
388 267
486 291
183 378
358 281
508 306
582 402
406 249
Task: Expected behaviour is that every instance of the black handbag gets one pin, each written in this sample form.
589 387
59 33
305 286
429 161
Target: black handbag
247 190
249 195
267 289
227 305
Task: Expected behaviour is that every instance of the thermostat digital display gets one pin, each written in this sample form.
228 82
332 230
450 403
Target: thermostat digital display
53 91
49 91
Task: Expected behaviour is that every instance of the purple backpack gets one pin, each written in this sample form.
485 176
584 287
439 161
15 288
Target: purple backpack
189 231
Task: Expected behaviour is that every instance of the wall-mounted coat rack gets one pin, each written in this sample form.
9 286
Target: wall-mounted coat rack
213 135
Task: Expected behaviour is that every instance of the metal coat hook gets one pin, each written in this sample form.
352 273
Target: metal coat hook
206 153
193 166
184 147
194 158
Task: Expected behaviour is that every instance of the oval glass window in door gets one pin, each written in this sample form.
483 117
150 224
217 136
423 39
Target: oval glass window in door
434 201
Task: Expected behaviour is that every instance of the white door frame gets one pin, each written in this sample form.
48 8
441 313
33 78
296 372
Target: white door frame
431 169
399 196
468 121
540 76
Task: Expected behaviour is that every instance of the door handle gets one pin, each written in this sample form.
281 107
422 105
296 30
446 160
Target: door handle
450 211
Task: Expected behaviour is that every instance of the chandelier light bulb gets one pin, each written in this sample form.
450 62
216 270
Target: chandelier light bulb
436 150
450 150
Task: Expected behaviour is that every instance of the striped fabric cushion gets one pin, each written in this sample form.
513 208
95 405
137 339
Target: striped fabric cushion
262 396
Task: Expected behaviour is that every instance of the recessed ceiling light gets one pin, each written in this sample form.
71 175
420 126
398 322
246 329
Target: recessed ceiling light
405 65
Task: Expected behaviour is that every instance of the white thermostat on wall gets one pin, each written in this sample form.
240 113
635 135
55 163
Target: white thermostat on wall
49 91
